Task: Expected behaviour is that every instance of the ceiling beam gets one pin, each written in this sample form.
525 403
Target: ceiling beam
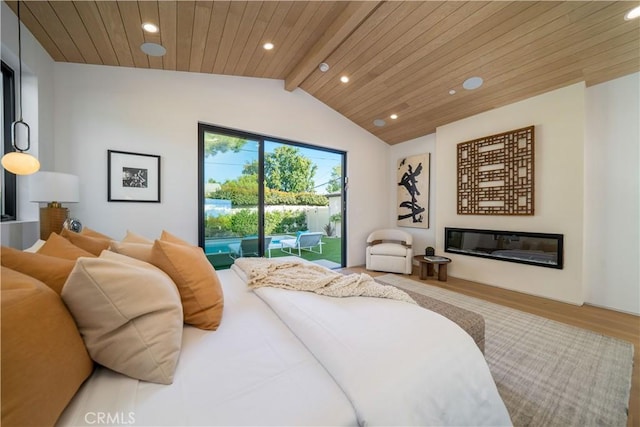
348 21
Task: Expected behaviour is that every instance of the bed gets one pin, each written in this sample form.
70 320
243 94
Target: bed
285 357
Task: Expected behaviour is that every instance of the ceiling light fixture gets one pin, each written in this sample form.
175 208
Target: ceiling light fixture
19 162
268 46
150 28
632 14
393 116
324 67
452 92
153 49
472 83
379 122
344 79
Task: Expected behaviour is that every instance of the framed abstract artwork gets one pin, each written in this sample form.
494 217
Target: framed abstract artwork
413 191
133 177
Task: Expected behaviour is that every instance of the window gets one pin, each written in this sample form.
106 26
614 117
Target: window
8 188
264 196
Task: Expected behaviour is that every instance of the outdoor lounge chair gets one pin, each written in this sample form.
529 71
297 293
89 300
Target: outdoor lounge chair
306 241
247 247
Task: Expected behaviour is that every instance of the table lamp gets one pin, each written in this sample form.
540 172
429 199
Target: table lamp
53 188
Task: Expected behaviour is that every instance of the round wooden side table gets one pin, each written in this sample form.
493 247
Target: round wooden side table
426 267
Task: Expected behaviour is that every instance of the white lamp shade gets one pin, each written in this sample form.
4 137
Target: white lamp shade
54 187
20 163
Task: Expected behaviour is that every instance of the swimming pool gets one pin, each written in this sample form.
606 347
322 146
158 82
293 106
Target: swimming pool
221 246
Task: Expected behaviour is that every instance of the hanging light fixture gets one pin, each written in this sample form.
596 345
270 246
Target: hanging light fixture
19 162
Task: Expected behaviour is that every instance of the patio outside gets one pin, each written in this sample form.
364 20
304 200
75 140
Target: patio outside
330 256
293 192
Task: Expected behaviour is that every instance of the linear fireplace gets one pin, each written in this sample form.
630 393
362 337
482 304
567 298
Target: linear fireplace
542 249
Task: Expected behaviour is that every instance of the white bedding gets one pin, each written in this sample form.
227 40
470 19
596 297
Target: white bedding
251 371
284 357
398 363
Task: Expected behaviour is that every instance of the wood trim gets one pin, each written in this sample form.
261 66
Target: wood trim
348 21
399 242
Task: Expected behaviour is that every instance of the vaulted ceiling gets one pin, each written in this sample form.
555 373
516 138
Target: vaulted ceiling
401 57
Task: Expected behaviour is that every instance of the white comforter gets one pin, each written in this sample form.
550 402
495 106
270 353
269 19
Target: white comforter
398 363
285 357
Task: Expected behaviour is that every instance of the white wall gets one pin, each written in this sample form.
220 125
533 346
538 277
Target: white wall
98 108
559 119
612 187
37 70
425 144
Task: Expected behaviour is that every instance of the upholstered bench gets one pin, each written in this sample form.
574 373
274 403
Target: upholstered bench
472 323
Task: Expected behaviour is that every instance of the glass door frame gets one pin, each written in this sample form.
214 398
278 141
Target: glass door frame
205 127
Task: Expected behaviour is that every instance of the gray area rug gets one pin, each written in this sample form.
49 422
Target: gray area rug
548 373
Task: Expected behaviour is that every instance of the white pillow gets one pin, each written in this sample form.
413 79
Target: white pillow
37 245
129 315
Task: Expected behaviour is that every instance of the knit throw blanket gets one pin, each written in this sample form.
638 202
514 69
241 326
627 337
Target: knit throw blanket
304 276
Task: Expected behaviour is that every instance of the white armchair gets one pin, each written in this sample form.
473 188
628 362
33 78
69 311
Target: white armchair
390 250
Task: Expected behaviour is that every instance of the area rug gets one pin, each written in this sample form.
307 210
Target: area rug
548 373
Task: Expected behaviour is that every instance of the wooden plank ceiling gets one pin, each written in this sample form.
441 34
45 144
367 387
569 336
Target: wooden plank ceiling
402 57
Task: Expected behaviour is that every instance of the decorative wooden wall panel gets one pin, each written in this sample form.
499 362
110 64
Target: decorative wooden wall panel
496 174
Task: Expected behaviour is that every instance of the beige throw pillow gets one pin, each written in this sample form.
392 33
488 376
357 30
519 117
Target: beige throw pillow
132 237
141 251
129 315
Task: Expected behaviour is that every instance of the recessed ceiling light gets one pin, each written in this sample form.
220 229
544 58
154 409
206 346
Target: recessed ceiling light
472 83
153 49
452 92
632 14
268 46
344 79
324 67
379 122
393 116
149 27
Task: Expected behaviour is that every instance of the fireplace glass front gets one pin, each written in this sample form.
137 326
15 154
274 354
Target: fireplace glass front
542 249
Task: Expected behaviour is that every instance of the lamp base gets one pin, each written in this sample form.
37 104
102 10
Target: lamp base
51 220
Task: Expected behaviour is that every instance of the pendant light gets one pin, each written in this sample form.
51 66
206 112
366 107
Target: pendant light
19 162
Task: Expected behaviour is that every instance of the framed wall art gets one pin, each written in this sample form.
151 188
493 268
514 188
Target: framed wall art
496 174
413 191
133 177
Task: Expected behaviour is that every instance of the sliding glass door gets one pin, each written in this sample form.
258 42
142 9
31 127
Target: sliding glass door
268 197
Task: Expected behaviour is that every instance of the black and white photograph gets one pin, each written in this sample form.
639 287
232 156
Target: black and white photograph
133 177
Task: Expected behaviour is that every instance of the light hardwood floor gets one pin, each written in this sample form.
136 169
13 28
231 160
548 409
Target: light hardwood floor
607 322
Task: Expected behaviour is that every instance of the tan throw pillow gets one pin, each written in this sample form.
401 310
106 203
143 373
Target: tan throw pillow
196 279
60 247
141 251
132 237
44 360
168 237
50 270
90 244
92 233
129 316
